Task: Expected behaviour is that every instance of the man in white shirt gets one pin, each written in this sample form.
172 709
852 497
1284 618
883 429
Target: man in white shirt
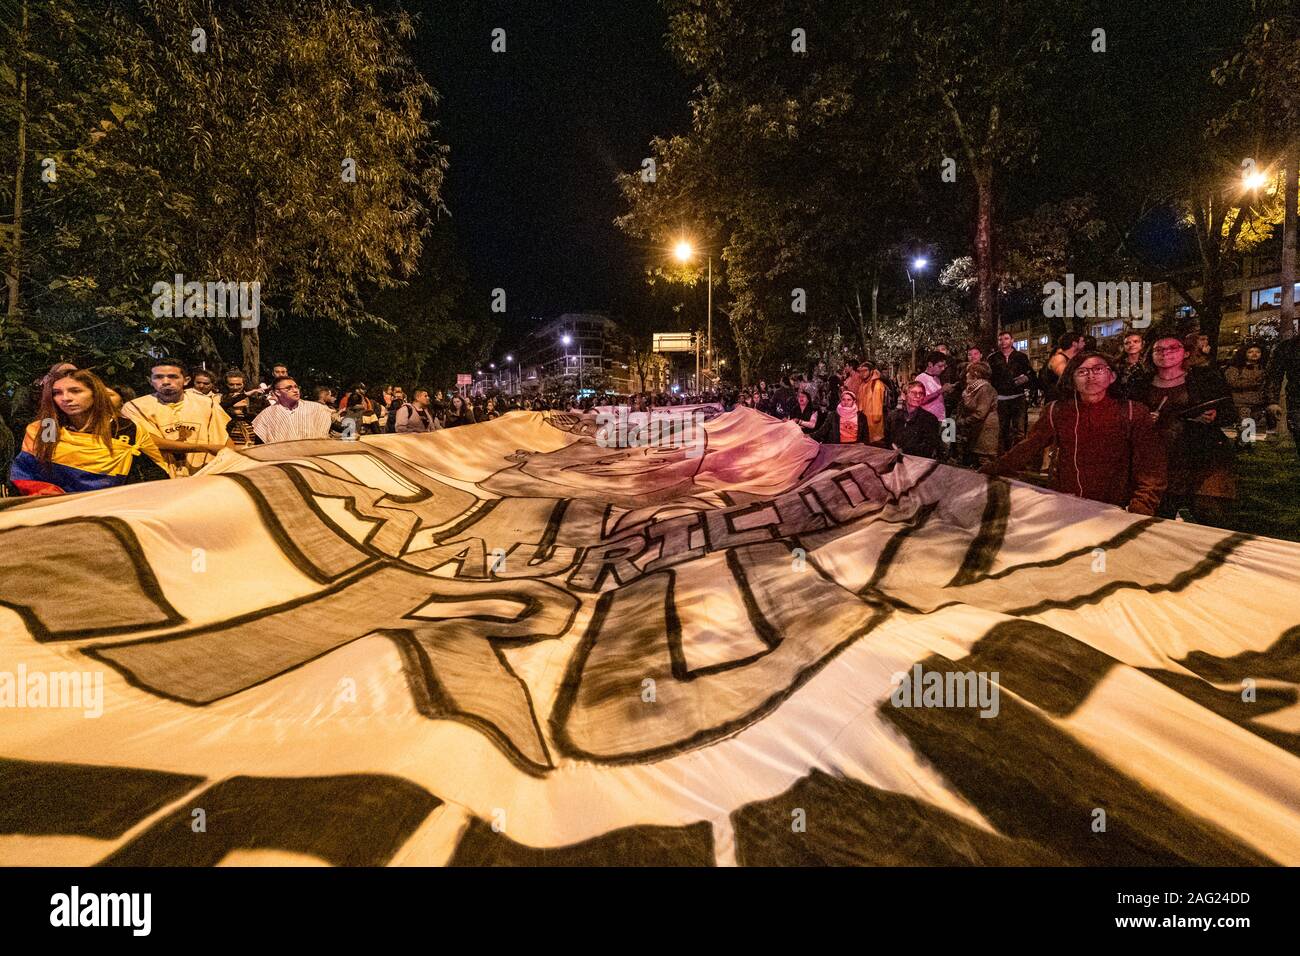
935 363
188 428
290 418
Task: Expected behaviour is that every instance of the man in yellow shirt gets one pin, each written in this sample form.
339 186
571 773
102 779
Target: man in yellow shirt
189 429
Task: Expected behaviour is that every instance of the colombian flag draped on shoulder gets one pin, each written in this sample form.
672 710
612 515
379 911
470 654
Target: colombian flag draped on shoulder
81 462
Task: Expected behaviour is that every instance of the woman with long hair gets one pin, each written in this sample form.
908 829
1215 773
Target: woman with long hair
79 443
460 413
1190 401
1247 378
805 412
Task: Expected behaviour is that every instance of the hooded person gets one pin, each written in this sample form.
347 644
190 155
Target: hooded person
871 396
845 424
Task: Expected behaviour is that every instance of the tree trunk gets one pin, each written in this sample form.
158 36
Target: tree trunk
251 343
984 266
875 306
1286 321
1211 317
15 274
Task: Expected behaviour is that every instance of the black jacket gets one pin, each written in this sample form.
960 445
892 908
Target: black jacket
1285 363
919 435
1007 370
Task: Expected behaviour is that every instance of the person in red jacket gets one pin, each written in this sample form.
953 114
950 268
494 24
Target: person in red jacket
1107 449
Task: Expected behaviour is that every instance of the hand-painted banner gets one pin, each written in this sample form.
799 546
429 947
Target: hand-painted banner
532 641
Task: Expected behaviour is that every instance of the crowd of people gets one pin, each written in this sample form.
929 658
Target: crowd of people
1143 429
1146 429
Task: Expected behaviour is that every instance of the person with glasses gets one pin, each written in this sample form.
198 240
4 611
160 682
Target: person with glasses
291 418
1106 448
1190 401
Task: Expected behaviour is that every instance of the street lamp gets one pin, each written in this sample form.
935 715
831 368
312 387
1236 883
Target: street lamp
684 252
567 339
918 264
509 359
1254 180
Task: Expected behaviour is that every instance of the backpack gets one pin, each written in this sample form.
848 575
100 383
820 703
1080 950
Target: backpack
390 421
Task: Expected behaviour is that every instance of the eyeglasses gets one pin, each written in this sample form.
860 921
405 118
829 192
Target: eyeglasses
1167 348
1091 370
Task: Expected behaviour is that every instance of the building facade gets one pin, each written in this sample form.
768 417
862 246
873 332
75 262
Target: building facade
584 350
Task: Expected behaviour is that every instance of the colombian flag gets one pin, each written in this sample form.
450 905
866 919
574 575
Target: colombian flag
82 462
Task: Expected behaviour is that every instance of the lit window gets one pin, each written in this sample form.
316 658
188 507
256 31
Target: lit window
1022 344
1269 298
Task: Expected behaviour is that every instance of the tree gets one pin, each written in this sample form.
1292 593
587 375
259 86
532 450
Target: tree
1268 66
283 143
978 71
305 144
781 174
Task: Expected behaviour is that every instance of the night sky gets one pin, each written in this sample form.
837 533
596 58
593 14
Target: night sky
537 135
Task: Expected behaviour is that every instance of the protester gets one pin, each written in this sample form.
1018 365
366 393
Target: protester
1133 375
912 429
1068 345
414 416
873 399
973 354
1012 375
948 379
1188 402
845 424
242 407
977 415
1107 449
291 418
460 413
805 413
931 379
77 442
188 429
204 384
396 398
1284 366
1248 380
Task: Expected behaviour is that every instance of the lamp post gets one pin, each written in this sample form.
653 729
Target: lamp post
918 264
685 252
509 384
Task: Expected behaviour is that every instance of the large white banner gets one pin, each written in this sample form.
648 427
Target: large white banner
532 641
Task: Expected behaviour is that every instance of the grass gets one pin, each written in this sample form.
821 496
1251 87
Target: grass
1267 477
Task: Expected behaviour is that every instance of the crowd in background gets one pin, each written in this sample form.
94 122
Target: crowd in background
1154 428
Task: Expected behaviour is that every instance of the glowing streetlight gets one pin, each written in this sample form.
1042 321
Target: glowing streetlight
567 339
920 263
684 252
1255 180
